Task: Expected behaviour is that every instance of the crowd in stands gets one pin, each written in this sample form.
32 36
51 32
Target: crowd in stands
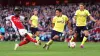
46 14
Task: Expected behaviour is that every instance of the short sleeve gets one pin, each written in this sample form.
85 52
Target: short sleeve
31 18
54 20
66 18
9 17
76 13
22 18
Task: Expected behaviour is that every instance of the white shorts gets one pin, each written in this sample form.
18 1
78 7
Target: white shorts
22 32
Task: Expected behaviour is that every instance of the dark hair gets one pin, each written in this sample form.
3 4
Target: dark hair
59 10
82 4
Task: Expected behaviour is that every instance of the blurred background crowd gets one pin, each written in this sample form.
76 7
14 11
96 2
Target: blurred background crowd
46 14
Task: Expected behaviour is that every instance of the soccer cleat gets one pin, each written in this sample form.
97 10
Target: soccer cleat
16 46
38 43
46 46
81 46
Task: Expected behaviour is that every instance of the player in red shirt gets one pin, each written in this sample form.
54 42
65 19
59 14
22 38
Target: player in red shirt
19 28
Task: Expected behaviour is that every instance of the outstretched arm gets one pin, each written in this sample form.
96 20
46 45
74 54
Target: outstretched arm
92 18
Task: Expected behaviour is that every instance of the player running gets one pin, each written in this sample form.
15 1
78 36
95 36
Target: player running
34 26
59 22
18 26
80 19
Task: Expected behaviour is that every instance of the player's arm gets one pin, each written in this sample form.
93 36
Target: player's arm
69 25
30 21
91 18
74 19
8 18
68 22
53 22
22 18
53 25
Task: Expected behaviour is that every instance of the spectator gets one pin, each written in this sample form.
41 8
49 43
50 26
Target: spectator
2 30
10 33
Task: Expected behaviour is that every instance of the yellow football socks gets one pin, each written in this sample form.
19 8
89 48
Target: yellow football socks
84 39
50 42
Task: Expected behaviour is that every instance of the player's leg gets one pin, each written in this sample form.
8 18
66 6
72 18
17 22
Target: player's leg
30 38
25 34
54 35
86 33
36 34
76 34
51 40
38 38
48 44
72 38
23 42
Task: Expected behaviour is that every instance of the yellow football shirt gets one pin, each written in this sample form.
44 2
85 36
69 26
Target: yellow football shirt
59 23
81 17
34 20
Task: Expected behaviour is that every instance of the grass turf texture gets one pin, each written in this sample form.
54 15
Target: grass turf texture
57 49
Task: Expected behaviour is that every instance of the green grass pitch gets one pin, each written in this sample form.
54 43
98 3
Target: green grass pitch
57 49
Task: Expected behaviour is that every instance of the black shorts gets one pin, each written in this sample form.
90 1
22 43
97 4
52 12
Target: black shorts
33 30
53 33
80 28
79 34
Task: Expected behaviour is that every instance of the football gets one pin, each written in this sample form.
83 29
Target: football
72 44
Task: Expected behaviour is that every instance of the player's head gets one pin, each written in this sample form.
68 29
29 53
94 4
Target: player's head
58 12
81 6
17 11
35 12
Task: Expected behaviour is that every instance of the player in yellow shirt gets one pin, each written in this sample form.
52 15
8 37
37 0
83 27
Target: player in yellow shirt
80 19
58 23
34 26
